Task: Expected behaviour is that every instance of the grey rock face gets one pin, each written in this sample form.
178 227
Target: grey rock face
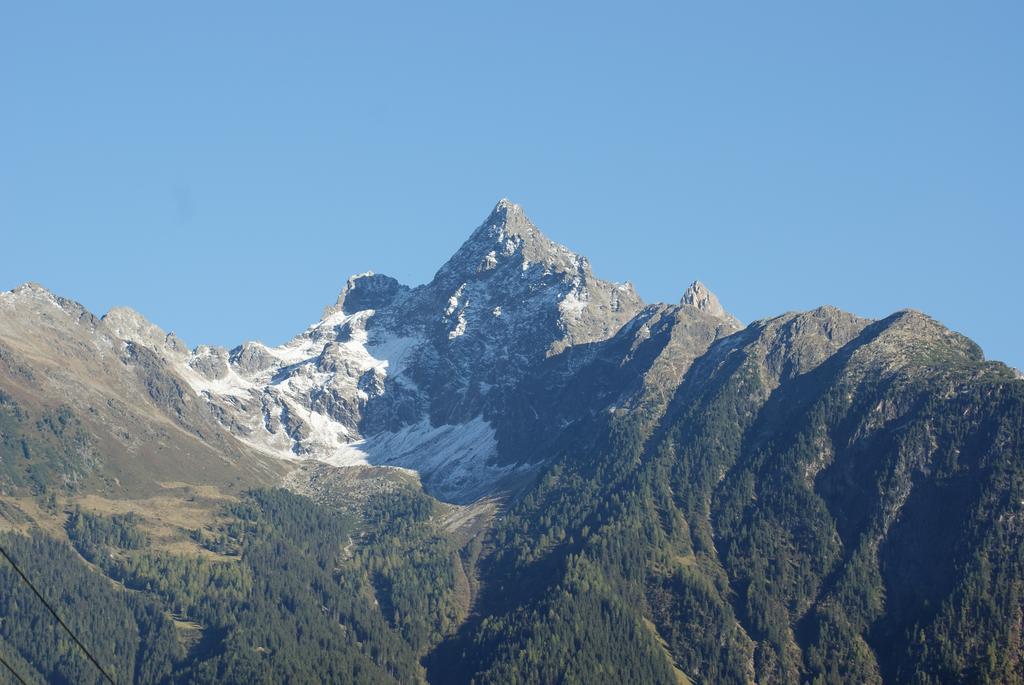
210 362
509 266
366 291
252 357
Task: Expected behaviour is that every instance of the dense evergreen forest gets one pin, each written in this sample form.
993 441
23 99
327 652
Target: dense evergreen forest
860 522
289 608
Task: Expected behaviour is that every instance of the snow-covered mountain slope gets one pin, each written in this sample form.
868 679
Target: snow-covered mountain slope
415 377
466 380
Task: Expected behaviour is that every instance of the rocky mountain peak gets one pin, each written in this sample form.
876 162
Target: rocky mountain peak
511 215
33 295
508 219
510 276
31 304
31 288
507 235
127 324
366 291
698 295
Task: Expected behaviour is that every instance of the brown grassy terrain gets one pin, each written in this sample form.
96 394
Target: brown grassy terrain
166 519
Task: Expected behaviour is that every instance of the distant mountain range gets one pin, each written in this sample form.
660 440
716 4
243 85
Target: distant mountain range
517 472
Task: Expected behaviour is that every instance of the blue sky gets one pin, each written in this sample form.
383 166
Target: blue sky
223 167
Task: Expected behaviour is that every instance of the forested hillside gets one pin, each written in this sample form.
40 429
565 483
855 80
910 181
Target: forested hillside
287 603
824 501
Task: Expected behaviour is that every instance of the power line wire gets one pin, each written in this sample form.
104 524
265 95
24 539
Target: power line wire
13 672
56 616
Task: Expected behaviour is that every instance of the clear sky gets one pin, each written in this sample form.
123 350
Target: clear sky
223 167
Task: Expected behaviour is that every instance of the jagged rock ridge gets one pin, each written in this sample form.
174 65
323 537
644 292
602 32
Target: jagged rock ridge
422 377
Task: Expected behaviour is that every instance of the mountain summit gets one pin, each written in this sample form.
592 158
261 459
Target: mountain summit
421 377
507 231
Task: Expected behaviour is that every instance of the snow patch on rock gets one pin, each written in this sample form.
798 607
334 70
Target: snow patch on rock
456 458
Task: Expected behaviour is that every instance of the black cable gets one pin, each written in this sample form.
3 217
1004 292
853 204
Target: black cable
56 616
13 672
